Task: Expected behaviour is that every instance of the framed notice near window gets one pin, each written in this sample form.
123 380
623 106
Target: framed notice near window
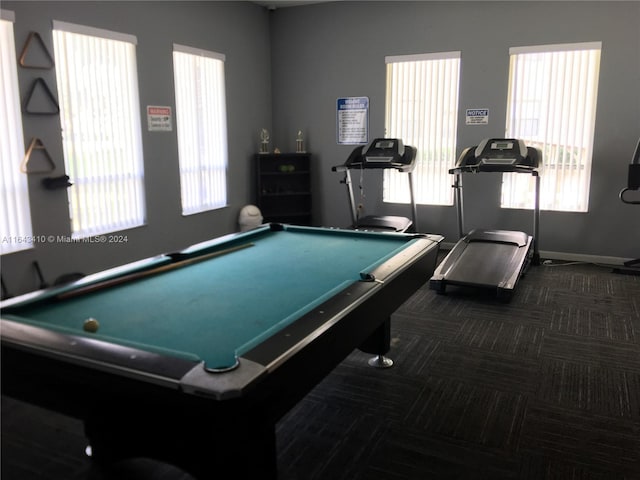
353 120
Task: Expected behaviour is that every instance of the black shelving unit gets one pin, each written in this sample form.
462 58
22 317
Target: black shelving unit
284 187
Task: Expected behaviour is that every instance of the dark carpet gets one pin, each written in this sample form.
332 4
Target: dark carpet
545 387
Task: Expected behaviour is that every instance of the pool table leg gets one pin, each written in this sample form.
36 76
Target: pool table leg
379 343
380 361
205 450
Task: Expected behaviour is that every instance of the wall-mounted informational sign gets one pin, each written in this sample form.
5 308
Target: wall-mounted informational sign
158 118
477 116
353 120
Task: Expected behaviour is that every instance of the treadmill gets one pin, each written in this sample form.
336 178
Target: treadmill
382 153
631 267
491 259
633 178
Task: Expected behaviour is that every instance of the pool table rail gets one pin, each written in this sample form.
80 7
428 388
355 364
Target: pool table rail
130 362
150 263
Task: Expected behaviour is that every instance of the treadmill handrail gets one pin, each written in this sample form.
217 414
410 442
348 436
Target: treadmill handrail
626 200
493 169
635 160
402 167
633 177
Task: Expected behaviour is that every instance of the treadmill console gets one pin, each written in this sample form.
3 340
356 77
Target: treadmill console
501 151
384 150
382 153
499 154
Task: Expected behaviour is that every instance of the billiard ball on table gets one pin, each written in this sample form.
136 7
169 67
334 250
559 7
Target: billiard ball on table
91 325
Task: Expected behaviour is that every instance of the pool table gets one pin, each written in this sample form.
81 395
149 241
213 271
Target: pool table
195 355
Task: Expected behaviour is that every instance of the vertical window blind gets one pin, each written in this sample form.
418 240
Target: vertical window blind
552 105
202 128
16 215
422 110
100 118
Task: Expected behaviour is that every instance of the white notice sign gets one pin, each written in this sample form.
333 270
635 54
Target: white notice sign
477 116
353 120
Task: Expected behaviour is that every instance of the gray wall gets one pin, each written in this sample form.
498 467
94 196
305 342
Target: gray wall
286 68
323 52
240 30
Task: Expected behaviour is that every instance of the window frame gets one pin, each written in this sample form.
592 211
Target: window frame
434 129
565 172
201 123
101 129
17 230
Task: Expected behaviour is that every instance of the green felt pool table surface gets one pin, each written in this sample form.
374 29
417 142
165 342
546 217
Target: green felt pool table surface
216 309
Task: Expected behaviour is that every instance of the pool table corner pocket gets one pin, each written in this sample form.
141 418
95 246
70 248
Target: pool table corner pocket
222 385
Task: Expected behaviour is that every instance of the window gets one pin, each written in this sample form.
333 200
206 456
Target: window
100 120
202 128
552 105
16 214
422 110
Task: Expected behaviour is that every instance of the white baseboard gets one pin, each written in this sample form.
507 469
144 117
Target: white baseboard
578 257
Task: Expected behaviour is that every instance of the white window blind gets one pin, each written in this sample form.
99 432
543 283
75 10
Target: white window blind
16 215
422 110
552 105
100 118
202 128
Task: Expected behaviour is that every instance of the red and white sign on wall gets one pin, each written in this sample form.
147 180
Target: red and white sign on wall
158 118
